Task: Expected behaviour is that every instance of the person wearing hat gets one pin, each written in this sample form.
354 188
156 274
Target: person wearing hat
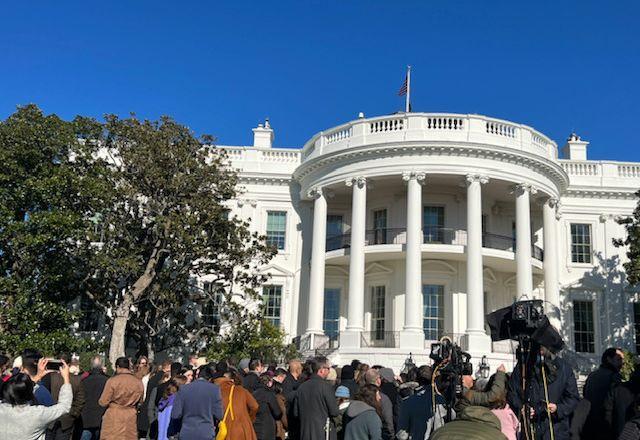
347 379
343 396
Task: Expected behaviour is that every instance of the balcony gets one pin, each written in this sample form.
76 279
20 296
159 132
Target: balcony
431 236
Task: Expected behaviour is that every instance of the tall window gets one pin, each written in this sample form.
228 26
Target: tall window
580 243
272 301
583 333
214 295
331 318
636 325
89 315
377 312
380 226
334 232
433 311
433 224
276 228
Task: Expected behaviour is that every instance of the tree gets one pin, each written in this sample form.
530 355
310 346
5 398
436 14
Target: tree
49 186
166 224
632 242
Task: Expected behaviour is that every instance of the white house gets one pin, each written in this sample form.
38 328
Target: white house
393 231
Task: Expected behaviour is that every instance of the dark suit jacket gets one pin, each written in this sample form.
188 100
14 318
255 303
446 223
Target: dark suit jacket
314 403
93 386
268 412
67 420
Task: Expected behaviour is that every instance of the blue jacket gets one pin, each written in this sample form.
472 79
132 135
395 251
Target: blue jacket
414 413
197 409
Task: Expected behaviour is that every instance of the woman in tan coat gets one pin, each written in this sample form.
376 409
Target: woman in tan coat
244 406
120 396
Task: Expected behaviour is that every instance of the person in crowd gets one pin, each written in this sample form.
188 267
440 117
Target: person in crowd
280 375
252 380
372 377
197 407
143 372
509 424
19 419
596 389
160 376
417 409
472 397
362 420
121 395
619 406
409 383
30 361
242 406
93 385
360 374
332 377
315 403
291 382
282 425
347 379
188 374
562 394
389 388
474 423
4 368
578 419
343 399
62 429
166 405
193 361
243 367
268 411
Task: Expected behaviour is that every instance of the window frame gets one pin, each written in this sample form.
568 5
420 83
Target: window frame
215 302
568 221
88 315
441 307
590 244
276 321
335 320
284 231
593 330
441 227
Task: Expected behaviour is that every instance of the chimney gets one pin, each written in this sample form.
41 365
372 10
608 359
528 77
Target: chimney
575 148
263 135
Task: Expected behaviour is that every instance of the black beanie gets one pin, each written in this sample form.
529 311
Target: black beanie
347 372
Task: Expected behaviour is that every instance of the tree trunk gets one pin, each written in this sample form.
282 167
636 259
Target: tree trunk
119 330
151 354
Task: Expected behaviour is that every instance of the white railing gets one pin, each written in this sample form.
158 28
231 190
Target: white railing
501 129
384 125
631 170
581 168
444 123
338 135
280 155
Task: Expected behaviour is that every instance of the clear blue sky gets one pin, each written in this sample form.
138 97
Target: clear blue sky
221 67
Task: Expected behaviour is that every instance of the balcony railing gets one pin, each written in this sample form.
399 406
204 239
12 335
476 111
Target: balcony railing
380 339
430 235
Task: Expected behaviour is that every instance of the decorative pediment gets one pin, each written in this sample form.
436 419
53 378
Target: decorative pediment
275 270
438 266
336 271
377 269
488 276
511 281
584 284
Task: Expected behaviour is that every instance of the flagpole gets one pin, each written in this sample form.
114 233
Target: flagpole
407 105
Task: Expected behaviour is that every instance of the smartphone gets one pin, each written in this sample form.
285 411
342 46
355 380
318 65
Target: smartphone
54 364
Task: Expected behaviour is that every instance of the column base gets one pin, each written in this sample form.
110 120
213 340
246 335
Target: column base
412 340
477 342
350 339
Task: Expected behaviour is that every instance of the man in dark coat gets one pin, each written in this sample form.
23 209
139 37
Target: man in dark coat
315 404
92 412
417 408
290 382
62 429
620 405
346 379
252 380
562 389
596 390
372 377
268 411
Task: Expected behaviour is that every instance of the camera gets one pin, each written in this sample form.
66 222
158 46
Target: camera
452 363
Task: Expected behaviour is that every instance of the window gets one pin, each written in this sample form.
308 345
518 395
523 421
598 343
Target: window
636 325
583 332
271 301
334 232
380 226
211 306
331 318
580 243
433 311
377 312
89 315
433 224
276 228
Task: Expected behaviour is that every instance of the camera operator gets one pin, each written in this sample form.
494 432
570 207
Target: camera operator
471 397
551 389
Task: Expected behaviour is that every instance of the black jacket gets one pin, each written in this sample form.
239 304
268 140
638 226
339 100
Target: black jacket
314 403
289 385
619 406
268 412
596 389
563 391
93 385
251 381
352 385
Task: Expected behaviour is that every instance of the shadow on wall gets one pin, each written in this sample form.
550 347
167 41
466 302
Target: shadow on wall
605 285
305 228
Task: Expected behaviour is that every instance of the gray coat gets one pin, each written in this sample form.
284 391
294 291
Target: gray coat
388 431
314 403
362 422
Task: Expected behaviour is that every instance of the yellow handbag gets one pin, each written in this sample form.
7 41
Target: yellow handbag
222 426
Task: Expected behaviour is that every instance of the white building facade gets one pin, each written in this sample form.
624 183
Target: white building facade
394 231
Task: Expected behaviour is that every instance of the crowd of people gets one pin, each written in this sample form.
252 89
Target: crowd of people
51 399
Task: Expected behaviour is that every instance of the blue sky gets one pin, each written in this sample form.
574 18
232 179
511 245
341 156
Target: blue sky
221 67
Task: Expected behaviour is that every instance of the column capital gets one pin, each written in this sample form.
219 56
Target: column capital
418 175
358 181
471 178
520 188
318 191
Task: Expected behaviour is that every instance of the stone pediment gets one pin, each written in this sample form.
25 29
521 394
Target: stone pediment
377 269
275 270
438 266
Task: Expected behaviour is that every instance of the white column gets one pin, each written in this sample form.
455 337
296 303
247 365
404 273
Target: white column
551 264
355 310
524 276
477 340
412 335
318 247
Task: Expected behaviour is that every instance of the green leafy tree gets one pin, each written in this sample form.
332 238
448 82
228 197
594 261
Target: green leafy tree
166 224
632 243
49 186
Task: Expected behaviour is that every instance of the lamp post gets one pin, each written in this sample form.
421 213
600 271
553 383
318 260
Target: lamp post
484 368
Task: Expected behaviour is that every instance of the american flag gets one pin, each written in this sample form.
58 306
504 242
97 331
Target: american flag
403 89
